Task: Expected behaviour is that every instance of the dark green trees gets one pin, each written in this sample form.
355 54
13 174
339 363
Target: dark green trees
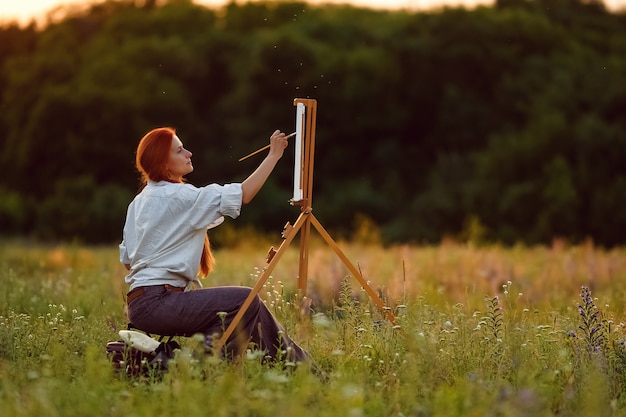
510 118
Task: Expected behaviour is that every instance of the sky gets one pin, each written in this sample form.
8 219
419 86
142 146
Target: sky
25 10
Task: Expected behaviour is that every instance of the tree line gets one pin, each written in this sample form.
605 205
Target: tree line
503 124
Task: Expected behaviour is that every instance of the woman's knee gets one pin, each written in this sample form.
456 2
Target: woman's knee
255 303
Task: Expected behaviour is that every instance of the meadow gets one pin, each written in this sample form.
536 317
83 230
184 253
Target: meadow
481 331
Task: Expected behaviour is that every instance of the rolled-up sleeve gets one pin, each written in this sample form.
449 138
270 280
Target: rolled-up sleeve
215 201
230 205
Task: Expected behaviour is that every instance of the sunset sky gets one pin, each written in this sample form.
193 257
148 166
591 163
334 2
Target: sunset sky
24 10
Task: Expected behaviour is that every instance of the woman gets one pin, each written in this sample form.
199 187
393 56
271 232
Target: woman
165 247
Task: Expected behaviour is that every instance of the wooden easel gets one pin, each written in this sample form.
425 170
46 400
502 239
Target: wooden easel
303 174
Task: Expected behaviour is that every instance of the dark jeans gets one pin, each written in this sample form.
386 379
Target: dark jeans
165 312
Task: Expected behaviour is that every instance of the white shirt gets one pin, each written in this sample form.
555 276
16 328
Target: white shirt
165 228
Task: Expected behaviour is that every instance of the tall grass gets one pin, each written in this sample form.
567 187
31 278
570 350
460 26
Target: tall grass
484 331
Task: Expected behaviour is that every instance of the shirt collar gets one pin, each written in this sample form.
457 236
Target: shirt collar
157 183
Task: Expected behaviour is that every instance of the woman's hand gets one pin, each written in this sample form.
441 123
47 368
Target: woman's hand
278 143
251 185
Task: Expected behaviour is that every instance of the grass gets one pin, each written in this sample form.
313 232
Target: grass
482 331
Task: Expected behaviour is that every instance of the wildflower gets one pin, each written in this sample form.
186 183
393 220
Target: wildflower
593 326
320 320
252 355
494 319
274 376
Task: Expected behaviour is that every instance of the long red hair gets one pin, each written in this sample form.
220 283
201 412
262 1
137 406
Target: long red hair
151 161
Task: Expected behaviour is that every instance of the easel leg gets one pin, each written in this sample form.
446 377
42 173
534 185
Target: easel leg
288 238
355 272
303 268
303 222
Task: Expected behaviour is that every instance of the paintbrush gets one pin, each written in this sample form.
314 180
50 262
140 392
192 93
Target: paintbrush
263 148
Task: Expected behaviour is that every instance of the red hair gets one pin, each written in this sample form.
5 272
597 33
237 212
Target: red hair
153 152
151 161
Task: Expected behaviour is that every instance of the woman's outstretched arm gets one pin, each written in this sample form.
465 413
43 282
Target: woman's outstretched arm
251 185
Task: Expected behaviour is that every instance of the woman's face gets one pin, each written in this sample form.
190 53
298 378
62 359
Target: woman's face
179 162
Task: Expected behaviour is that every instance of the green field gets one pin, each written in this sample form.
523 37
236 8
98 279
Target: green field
481 331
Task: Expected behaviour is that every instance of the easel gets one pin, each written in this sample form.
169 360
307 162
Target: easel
303 185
